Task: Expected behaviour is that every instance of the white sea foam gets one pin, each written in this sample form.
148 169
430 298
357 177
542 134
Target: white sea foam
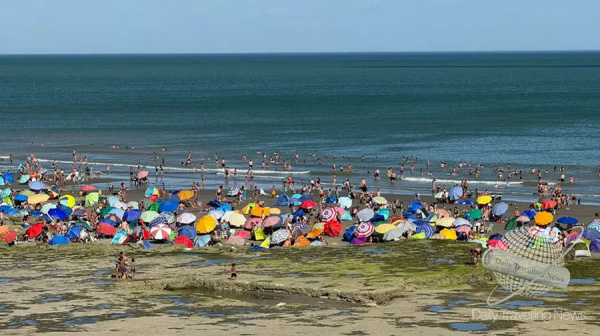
451 181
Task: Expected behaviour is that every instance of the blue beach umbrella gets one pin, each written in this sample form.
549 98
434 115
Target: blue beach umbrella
201 241
57 214
529 213
169 205
24 179
467 202
21 198
415 205
5 208
499 209
74 232
426 229
147 245
158 220
349 233
568 220
131 215
37 185
188 231
36 213
9 177
58 240
455 193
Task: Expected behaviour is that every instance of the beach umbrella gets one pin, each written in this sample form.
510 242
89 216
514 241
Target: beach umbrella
131 215
380 200
107 229
383 228
226 216
497 244
536 206
187 218
442 213
594 226
345 202
445 222
467 202
405 226
499 208
74 232
328 214
237 220
349 233
206 224
415 205
169 216
151 191
590 234
272 221
568 220
67 200
91 199
119 237
117 212
298 226
185 195
148 216
461 222
34 230
512 224
58 240
142 174
88 188
84 225
169 205
485 199
439 195
158 220
448 234
216 214
364 229
243 234
550 204
393 234
10 236
39 198
201 241
188 231
425 229
8 177
260 212
301 241
236 240
120 205
463 229
455 193
358 241
308 204
3 231
523 219
133 205
252 222
474 214
37 185
21 198
279 236
543 218
314 233
183 240
23 179
529 213
160 232
112 200
57 214
365 214
332 228
383 212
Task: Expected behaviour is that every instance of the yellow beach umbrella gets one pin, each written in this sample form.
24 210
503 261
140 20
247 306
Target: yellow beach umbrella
543 218
383 228
449 234
39 198
275 211
206 224
260 212
266 243
320 226
27 193
379 200
420 235
485 199
445 222
314 233
67 200
185 195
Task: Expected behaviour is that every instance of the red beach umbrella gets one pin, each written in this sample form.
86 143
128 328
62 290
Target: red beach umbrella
88 188
10 236
308 204
333 228
183 240
34 230
107 229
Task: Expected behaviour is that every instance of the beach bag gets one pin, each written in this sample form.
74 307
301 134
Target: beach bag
259 233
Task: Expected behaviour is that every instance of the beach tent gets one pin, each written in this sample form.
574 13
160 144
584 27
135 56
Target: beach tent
282 200
582 248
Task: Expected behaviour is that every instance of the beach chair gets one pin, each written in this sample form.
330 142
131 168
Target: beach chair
490 229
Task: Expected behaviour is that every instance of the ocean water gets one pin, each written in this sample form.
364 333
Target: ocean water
528 109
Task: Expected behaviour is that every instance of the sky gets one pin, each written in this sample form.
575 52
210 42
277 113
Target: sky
249 26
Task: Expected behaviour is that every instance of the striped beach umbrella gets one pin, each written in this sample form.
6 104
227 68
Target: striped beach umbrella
158 220
160 231
328 214
364 229
236 240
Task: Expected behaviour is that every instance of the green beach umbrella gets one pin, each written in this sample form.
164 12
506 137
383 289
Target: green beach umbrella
474 213
511 224
105 211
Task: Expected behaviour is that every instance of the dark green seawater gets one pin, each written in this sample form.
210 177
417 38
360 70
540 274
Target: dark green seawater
529 109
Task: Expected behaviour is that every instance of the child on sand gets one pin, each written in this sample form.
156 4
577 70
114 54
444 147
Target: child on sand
132 267
233 272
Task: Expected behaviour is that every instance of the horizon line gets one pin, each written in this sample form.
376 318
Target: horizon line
311 52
